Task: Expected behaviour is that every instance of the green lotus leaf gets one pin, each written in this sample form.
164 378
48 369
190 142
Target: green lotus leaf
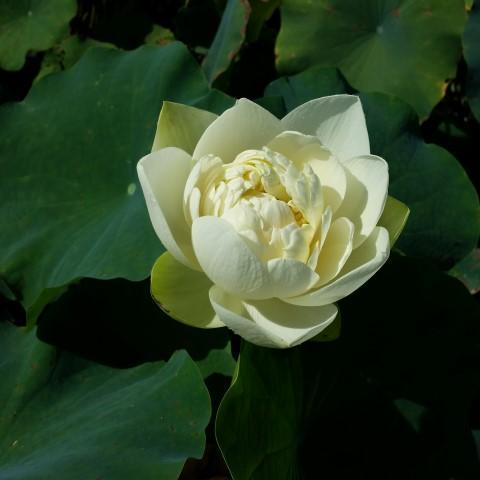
68 416
407 48
228 39
262 10
66 53
70 203
444 221
31 25
471 39
300 412
468 271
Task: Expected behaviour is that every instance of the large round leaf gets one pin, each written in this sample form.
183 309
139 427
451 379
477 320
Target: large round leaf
62 415
408 48
444 222
67 53
31 25
471 40
70 203
313 83
350 408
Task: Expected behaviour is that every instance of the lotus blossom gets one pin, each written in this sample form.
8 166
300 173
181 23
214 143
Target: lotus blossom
267 223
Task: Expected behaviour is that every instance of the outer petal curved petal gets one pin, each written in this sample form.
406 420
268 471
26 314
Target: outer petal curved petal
181 126
336 250
228 261
182 293
271 323
363 263
287 276
338 121
367 187
244 126
289 142
163 175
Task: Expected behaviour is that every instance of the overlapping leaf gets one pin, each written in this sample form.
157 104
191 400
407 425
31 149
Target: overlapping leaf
404 369
471 40
65 416
66 53
70 205
407 48
228 39
468 271
444 224
31 25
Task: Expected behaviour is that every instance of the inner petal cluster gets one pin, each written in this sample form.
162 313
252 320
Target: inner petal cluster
277 206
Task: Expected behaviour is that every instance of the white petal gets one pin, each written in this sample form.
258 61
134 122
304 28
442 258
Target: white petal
287 276
367 187
325 226
302 149
288 143
181 126
244 126
163 175
363 263
335 251
338 121
227 260
329 170
247 223
315 253
201 176
321 235
271 323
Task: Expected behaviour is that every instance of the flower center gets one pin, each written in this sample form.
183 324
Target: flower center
271 202
267 175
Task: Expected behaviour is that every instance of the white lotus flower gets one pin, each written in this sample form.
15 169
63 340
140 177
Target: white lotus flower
267 223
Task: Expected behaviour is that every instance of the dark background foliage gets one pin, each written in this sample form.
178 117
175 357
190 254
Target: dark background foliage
397 396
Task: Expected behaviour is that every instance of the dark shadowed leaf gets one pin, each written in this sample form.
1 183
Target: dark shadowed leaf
262 10
468 271
471 41
117 323
389 399
228 39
